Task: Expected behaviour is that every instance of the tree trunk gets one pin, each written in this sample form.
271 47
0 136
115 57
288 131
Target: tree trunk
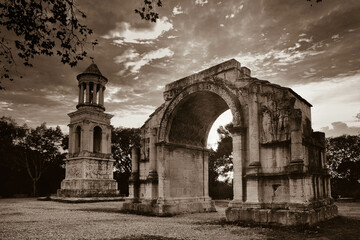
34 187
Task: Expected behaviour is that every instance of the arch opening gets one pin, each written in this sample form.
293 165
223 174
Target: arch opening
221 158
97 139
190 126
193 118
78 139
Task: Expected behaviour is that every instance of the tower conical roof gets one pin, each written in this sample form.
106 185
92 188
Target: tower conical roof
92 70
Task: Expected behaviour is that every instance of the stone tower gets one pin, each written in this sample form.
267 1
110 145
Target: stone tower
89 164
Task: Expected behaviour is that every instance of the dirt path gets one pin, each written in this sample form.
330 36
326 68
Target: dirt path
32 219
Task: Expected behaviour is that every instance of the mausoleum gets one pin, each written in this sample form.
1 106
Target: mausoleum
89 164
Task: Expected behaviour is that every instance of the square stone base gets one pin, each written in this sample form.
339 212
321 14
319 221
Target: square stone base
171 207
289 217
88 188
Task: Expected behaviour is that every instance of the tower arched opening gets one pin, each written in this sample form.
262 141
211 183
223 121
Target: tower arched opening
78 139
97 139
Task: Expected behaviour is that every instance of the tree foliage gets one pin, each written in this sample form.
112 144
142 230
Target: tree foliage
28 151
220 166
343 160
29 28
220 161
122 141
148 10
39 150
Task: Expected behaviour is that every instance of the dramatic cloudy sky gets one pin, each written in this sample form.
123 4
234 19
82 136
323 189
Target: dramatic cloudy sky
315 50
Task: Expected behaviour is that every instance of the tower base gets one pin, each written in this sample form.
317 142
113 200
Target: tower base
169 207
88 188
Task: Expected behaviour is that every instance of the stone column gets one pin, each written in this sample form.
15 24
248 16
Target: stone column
87 92
108 140
135 160
104 143
238 136
254 130
81 93
101 95
72 140
94 94
206 173
151 187
153 153
252 184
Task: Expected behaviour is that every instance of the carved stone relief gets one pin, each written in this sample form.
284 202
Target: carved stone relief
275 120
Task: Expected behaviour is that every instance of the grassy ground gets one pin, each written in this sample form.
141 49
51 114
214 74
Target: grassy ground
32 219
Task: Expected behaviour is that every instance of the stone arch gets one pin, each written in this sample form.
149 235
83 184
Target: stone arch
199 93
97 137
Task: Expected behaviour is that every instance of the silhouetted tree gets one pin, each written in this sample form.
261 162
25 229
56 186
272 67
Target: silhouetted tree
11 175
122 141
39 150
343 160
29 28
220 164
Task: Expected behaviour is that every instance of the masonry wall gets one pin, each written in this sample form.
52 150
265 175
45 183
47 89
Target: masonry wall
186 172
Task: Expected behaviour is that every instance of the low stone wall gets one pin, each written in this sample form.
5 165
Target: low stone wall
282 216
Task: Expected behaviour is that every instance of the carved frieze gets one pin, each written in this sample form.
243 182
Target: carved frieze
98 170
73 170
275 119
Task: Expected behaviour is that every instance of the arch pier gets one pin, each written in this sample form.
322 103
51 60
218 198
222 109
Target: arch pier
89 164
280 174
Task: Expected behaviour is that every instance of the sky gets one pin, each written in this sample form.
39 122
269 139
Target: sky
315 50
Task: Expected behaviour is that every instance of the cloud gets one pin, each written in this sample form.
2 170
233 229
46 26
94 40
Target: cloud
125 33
134 62
177 10
340 128
201 2
129 54
235 10
334 99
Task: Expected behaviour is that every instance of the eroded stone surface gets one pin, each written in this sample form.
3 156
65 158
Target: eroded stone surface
279 162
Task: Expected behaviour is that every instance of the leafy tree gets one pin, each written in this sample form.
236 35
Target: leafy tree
220 164
343 160
122 141
29 28
39 150
147 10
11 175
221 159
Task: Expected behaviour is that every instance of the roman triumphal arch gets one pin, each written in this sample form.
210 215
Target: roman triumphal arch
279 162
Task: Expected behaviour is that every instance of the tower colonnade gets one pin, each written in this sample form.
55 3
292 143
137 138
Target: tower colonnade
91 88
91 93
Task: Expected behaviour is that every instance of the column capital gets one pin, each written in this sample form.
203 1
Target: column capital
237 129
